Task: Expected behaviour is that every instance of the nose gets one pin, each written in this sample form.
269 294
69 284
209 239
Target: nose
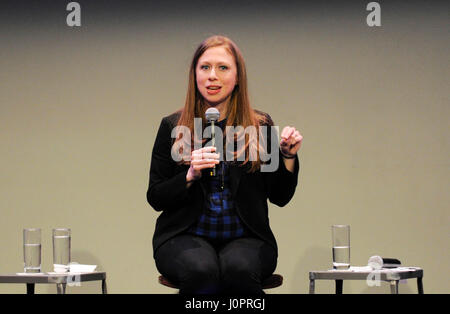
212 75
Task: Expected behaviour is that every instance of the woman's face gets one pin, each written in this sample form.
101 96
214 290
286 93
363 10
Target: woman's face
216 75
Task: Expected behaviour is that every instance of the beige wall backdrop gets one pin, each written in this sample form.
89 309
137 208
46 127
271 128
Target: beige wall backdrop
80 107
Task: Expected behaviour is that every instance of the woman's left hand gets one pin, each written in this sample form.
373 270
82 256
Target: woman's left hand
291 140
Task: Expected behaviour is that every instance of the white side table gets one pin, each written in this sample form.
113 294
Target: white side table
61 280
391 275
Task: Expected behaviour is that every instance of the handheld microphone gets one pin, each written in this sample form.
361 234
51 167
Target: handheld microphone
212 115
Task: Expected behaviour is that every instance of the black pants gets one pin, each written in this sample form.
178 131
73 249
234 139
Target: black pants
203 266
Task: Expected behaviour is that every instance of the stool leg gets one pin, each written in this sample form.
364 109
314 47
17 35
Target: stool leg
104 289
311 286
339 284
61 288
419 285
394 286
30 288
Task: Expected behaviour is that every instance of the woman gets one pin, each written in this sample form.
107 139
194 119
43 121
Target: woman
213 233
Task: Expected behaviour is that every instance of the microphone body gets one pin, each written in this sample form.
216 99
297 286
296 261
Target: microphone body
212 172
212 115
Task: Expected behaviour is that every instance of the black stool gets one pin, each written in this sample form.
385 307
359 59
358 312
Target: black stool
273 281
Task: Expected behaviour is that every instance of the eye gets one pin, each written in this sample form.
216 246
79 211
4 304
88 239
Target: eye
204 67
223 67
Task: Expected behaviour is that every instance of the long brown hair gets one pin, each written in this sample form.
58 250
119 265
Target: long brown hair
239 111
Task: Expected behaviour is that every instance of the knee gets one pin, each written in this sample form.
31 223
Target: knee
237 269
200 278
200 269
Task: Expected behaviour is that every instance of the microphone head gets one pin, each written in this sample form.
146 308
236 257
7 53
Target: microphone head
376 262
212 114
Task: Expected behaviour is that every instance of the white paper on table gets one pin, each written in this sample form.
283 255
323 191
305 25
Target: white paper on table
354 269
80 268
361 269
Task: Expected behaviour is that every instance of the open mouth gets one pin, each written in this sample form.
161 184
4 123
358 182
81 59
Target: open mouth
212 90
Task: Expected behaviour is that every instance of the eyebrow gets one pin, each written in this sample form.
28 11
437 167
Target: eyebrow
220 62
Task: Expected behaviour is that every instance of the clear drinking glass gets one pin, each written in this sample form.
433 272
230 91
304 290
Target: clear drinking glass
61 250
341 246
32 250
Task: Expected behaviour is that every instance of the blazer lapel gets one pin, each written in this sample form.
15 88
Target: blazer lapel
235 178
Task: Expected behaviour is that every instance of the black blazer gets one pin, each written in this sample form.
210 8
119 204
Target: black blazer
181 206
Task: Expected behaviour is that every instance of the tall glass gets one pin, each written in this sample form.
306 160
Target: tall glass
61 250
32 250
341 246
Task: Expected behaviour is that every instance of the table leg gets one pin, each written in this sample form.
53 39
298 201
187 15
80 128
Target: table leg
339 284
419 285
104 289
61 288
311 286
394 286
30 288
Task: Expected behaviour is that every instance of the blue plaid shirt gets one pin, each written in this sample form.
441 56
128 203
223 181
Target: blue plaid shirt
219 219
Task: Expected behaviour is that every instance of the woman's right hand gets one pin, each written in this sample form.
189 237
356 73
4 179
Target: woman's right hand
201 159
